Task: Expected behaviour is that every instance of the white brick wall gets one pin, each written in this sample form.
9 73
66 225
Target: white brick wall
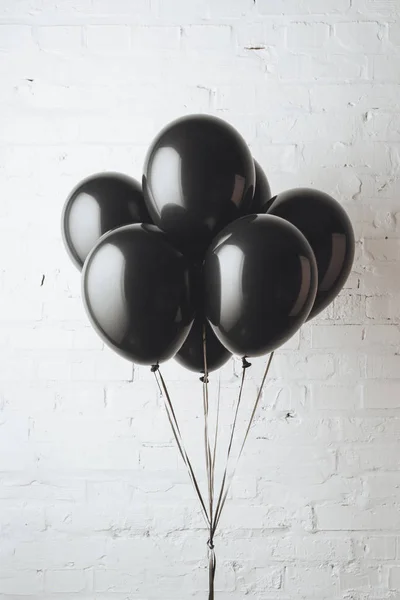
94 502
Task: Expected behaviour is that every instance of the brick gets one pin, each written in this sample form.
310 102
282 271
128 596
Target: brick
369 457
382 485
59 39
161 38
384 308
16 583
207 38
65 580
363 96
335 397
293 7
315 366
313 549
358 37
324 67
381 394
338 336
366 578
350 518
108 39
385 249
307 35
383 367
180 9
380 548
384 69
16 38
320 582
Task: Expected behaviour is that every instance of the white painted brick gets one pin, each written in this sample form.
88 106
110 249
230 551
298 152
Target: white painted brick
371 8
315 366
59 39
394 578
381 394
335 397
385 249
162 38
380 548
16 38
337 336
370 429
17 583
394 33
301 7
117 8
370 457
267 579
322 67
207 38
363 96
384 68
366 578
180 9
66 580
382 485
384 308
227 9
108 39
314 582
351 518
358 37
307 35
383 367
314 548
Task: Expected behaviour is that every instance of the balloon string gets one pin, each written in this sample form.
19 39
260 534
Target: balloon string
178 438
225 493
207 444
212 567
210 469
245 365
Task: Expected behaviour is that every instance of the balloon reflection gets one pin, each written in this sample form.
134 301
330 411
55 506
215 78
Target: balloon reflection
231 261
108 306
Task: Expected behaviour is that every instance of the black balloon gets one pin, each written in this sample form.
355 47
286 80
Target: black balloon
197 176
260 280
262 192
137 292
191 355
328 229
98 204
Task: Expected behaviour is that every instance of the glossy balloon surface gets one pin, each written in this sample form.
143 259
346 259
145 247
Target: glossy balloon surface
260 282
262 192
137 292
98 204
191 354
197 175
328 229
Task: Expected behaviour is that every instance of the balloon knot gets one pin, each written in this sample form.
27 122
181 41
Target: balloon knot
154 368
210 544
245 363
204 379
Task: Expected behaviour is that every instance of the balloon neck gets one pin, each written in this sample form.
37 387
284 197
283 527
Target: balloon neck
245 363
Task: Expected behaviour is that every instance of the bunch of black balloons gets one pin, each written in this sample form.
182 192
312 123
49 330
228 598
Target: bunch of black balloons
203 247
